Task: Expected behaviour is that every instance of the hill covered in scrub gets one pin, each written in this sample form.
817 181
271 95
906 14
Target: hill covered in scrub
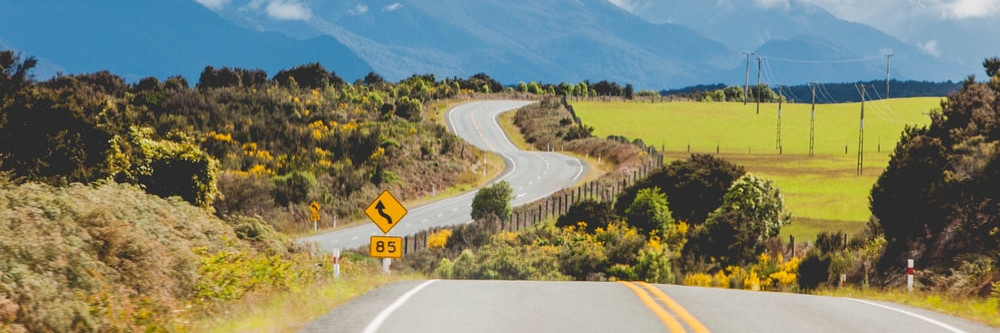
110 257
240 142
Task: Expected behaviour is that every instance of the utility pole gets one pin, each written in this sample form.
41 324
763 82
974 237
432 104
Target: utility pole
812 123
758 84
861 134
746 84
888 62
777 144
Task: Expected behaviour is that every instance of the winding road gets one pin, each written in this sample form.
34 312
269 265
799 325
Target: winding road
454 306
533 175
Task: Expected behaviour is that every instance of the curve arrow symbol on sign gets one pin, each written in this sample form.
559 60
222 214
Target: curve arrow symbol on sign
381 211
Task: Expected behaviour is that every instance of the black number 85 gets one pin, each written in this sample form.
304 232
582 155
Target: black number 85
380 246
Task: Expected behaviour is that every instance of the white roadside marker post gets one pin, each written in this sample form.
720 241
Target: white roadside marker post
336 264
386 262
909 275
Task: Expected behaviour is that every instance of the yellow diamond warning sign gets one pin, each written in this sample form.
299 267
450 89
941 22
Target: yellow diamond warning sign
385 211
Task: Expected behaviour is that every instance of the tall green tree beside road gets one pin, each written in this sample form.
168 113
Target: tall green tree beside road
937 201
752 211
493 200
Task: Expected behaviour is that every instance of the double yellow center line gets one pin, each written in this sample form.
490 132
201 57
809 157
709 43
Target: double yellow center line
646 296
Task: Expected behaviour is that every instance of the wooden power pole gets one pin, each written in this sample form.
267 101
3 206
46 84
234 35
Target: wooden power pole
746 84
812 123
758 84
861 134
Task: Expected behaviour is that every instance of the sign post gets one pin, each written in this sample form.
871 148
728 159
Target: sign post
314 215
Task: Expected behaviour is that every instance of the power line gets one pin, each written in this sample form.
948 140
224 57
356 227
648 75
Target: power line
844 61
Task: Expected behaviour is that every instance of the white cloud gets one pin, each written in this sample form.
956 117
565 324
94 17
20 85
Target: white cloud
964 9
772 3
393 7
213 4
359 9
931 47
288 10
624 4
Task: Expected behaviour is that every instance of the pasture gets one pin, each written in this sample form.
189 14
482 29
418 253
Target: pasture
823 192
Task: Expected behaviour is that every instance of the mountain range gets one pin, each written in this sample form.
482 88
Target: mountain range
653 44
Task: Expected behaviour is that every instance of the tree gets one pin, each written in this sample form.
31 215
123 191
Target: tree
992 66
595 214
311 76
695 186
293 188
373 79
629 91
752 211
164 168
937 199
493 200
650 211
14 75
56 136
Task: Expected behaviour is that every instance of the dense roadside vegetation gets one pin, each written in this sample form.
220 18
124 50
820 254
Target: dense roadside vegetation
90 244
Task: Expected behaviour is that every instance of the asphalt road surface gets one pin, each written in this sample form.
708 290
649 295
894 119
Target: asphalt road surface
532 175
451 306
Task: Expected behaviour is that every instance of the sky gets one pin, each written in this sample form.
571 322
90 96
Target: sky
895 17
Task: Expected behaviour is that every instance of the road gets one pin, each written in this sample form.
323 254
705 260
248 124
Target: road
533 175
452 306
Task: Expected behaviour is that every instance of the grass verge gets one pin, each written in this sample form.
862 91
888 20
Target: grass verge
983 310
291 310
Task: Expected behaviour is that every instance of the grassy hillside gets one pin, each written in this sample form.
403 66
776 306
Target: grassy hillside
823 192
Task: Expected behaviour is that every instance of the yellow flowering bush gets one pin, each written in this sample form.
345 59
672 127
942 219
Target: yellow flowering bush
438 239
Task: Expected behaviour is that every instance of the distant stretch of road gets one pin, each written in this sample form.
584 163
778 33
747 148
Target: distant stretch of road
532 175
531 306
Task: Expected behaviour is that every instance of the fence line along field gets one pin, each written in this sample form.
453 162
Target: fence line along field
823 192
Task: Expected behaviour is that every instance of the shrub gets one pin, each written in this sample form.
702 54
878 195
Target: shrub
622 273
653 265
439 239
814 270
293 188
244 194
695 186
752 211
493 200
649 211
595 214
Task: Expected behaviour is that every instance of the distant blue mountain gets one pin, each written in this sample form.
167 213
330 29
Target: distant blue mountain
512 40
658 44
139 38
804 42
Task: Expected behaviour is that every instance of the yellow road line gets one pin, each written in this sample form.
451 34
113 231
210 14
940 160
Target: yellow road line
686 316
672 324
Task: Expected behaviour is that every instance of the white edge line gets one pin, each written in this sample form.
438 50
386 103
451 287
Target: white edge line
382 316
578 173
918 316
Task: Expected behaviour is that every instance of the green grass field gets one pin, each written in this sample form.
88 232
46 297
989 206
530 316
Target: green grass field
822 192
